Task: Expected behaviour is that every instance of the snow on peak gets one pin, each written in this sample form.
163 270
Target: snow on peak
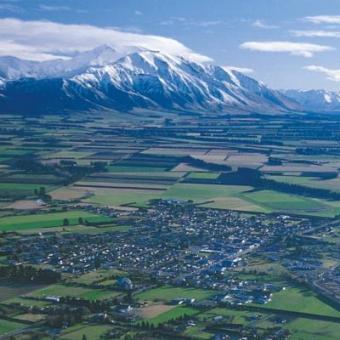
137 77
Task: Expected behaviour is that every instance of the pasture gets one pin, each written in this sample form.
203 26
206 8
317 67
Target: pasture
300 300
291 204
172 314
77 332
74 291
168 293
9 326
47 220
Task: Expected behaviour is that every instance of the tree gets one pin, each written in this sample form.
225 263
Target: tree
66 222
42 191
84 337
80 220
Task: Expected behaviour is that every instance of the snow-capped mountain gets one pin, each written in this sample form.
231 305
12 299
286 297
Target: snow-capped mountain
316 100
102 78
12 68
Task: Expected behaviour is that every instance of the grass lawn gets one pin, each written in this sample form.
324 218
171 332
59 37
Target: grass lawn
80 292
9 326
169 293
20 222
298 300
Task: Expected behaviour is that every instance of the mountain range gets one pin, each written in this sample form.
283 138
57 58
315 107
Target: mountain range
315 100
104 79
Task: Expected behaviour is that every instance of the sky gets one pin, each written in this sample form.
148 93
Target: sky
286 44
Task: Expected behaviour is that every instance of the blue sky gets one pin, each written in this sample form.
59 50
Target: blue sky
286 44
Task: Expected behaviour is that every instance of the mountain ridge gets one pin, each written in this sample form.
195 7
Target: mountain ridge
102 78
315 100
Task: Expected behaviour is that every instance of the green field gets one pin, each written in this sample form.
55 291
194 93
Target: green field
300 328
169 293
312 182
73 291
132 168
26 302
118 197
18 189
234 197
9 326
21 222
306 329
70 154
98 275
203 175
221 196
293 204
298 300
92 332
173 314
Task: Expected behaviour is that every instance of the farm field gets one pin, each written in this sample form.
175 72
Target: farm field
9 326
26 302
172 314
78 331
167 182
312 182
18 189
298 300
169 293
207 192
116 197
99 275
300 328
74 291
12 289
294 204
306 329
47 220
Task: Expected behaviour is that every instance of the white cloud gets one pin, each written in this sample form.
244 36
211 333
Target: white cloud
54 8
319 33
261 24
293 48
238 69
38 40
138 13
323 19
332 74
8 7
190 23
